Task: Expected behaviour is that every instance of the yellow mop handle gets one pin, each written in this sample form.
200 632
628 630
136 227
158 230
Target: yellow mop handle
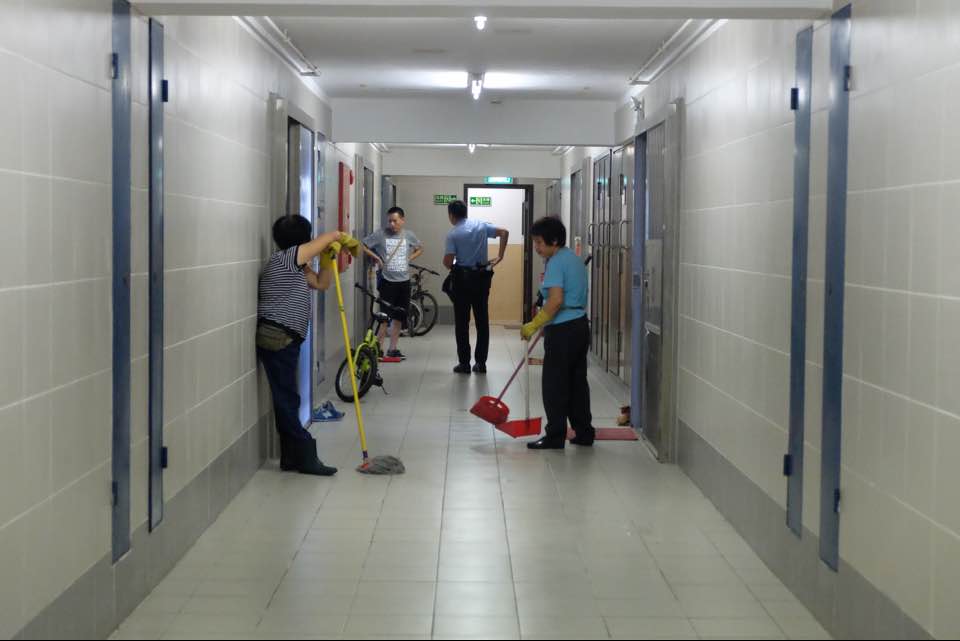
350 363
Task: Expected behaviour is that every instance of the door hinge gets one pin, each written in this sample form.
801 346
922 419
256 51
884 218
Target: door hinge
164 458
165 90
114 494
795 98
836 501
788 465
848 78
114 66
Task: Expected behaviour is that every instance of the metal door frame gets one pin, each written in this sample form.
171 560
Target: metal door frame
614 291
157 97
305 368
319 353
671 116
837 167
801 103
626 268
365 225
121 183
528 203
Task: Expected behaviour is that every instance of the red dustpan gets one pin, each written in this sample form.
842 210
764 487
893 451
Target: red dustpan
495 411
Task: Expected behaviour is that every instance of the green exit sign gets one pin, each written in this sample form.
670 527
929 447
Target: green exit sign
498 180
481 201
444 199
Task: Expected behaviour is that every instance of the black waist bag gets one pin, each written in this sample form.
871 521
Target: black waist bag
273 338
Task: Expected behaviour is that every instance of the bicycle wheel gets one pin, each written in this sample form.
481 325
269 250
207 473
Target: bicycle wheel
414 318
366 366
429 311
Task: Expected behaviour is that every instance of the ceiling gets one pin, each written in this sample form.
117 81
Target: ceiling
431 57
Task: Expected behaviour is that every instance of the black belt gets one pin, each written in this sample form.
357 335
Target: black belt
476 268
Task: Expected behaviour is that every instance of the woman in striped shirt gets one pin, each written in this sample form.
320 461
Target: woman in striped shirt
283 316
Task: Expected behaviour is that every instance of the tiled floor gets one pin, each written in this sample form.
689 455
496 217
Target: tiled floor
480 539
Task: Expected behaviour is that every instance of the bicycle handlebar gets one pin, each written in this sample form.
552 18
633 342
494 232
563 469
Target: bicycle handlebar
375 299
424 269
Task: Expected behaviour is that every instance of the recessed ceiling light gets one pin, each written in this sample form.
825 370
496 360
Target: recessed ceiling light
472 147
476 85
481 22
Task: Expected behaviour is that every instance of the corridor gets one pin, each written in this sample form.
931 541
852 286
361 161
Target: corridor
481 538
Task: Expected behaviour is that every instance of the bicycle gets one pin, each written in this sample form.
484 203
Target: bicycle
424 310
367 355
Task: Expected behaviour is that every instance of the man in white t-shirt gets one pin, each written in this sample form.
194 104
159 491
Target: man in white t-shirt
393 249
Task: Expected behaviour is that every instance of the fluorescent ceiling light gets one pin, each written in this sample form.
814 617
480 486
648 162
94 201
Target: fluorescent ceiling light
443 79
481 22
472 147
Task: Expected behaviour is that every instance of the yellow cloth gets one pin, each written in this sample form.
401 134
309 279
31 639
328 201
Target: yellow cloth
531 328
349 243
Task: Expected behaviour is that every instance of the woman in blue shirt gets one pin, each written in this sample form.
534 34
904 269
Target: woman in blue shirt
566 393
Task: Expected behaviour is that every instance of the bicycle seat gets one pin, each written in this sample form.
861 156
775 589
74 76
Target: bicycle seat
380 316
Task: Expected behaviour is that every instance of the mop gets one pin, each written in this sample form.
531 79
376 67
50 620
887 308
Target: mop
377 464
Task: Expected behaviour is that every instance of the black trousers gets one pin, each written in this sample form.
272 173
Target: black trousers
471 291
281 369
566 393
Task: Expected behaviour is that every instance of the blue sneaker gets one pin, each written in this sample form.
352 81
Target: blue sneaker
333 410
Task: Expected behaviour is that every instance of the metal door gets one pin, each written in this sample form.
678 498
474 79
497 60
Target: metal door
320 298
575 237
599 271
553 199
625 242
653 285
300 199
612 356
365 274
388 198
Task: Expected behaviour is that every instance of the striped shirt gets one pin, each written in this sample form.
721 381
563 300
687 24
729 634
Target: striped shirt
284 296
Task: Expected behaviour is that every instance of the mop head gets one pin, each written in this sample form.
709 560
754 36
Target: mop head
382 465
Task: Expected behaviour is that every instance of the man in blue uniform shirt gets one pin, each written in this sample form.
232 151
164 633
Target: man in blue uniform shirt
466 255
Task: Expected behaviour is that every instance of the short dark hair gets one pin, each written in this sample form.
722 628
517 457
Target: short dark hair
396 210
290 231
551 230
457 209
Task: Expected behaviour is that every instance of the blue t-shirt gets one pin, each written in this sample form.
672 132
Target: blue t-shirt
468 242
566 270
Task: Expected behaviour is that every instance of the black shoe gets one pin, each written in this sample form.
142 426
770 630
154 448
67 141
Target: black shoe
288 458
310 464
396 353
545 444
462 369
584 441
480 368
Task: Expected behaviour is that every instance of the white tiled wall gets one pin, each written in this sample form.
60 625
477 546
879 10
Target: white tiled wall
736 239
55 378
217 233
55 273
900 523
902 362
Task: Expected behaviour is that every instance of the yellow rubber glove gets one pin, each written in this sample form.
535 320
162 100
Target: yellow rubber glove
531 328
349 243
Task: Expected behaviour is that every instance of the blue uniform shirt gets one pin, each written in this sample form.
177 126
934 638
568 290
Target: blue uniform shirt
566 270
468 242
